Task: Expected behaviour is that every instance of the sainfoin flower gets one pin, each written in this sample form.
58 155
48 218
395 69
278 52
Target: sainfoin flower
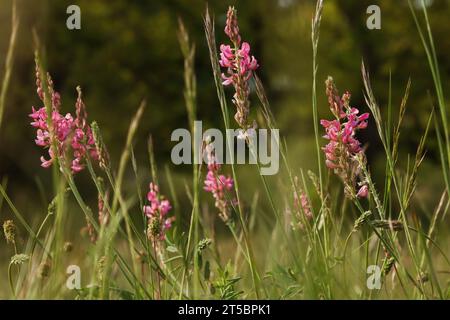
83 140
240 66
156 212
218 184
63 136
343 146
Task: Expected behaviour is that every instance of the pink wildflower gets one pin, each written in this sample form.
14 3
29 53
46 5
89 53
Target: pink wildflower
62 126
62 132
240 66
217 184
343 147
156 212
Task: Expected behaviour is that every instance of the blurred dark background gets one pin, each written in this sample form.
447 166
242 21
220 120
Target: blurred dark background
128 50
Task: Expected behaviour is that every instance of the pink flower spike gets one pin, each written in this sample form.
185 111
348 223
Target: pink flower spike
69 136
156 211
218 185
46 163
343 146
240 66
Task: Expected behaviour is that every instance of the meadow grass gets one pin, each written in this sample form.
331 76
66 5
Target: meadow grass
9 61
304 234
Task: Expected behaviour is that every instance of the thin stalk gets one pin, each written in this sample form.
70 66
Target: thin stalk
210 36
9 59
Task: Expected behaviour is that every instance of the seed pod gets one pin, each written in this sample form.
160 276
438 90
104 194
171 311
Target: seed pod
203 244
19 259
9 228
361 220
154 228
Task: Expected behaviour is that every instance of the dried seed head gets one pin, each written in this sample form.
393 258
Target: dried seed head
388 263
9 228
19 259
361 220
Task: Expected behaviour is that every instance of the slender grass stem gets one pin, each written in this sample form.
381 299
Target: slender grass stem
9 59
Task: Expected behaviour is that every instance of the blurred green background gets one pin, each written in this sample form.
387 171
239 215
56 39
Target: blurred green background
128 50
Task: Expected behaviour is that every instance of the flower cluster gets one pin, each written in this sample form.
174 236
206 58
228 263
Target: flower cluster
343 147
62 133
217 184
240 66
156 212
83 140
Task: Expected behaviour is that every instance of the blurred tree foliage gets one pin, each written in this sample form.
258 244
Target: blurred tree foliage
127 50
